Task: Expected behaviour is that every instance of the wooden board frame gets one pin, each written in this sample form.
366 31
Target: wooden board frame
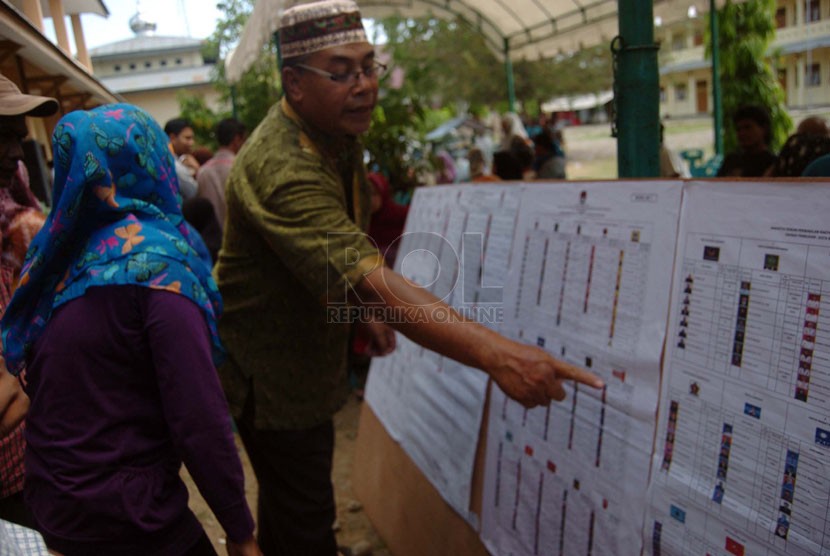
405 508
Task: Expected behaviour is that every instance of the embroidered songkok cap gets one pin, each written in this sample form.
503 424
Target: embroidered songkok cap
308 28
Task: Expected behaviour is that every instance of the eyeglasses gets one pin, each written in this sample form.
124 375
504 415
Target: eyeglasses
375 71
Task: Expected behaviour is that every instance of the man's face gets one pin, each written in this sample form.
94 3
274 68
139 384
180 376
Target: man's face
750 134
12 132
338 108
183 142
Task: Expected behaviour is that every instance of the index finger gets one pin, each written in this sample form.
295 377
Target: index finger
566 371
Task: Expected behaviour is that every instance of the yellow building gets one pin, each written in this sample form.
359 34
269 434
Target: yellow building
801 47
150 71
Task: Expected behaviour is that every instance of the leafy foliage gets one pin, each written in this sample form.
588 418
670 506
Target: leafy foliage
395 141
583 72
449 63
444 62
745 31
258 88
204 120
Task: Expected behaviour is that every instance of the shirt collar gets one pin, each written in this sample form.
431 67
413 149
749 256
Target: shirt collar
313 138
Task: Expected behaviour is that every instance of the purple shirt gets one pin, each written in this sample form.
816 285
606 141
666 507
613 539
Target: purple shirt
123 391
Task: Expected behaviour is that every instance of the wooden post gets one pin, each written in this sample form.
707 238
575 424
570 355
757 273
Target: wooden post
80 41
33 11
56 11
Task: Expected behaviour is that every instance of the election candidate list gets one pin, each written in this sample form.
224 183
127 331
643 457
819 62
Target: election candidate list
741 462
589 282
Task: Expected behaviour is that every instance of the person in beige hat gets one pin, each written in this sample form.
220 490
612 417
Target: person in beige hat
14 107
20 219
295 256
15 103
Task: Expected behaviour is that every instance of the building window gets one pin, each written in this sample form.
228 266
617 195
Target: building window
663 96
813 12
178 61
163 63
148 64
780 18
698 38
812 77
117 67
680 92
132 66
678 42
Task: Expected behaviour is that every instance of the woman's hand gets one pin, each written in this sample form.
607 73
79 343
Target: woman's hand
245 548
14 403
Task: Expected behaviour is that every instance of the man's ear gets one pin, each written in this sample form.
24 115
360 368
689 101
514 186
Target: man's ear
291 84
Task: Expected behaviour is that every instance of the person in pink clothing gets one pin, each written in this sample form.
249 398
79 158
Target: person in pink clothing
388 218
231 134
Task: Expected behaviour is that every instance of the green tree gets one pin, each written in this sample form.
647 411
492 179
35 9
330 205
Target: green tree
395 141
586 71
204 120
745 31
258 88
449 63
444 62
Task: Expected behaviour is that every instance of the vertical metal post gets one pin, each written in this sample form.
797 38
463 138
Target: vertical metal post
508 70
638 105
717 96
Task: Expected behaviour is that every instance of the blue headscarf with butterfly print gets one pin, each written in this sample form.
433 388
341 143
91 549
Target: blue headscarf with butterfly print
116 220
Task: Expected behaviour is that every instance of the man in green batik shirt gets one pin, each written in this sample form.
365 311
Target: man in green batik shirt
294 247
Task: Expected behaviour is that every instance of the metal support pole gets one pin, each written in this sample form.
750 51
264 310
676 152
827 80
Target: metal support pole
717 96
638 88
508 70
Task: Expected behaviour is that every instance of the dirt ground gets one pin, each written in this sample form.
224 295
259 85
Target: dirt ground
354 529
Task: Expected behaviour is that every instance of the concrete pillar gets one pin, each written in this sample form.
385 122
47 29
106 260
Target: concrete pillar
799 13
80 41
33 11
56 10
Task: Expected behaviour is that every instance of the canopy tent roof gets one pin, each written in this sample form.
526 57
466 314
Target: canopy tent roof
71 7
521 29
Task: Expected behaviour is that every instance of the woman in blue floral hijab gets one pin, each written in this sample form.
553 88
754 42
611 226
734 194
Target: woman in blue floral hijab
114 322
117 220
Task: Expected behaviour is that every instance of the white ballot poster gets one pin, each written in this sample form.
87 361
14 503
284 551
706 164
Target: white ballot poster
457 245
742 455
589 282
